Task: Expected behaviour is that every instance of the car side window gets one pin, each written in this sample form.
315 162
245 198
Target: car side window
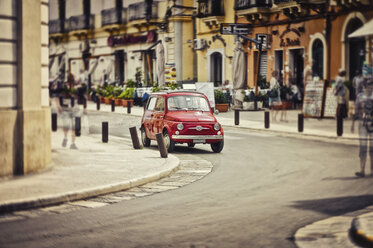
160 105
151 103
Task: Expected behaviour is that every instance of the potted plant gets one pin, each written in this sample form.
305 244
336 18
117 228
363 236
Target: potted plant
248 101
127 96
108 94
116 92
221 100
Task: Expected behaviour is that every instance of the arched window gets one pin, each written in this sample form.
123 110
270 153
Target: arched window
318 58
217 68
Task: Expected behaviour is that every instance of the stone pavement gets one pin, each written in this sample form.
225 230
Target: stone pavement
98 168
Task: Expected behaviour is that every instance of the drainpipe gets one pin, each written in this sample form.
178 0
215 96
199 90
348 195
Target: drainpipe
179 48
195 61
327 37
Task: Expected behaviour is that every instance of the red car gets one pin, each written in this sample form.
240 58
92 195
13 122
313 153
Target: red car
182 117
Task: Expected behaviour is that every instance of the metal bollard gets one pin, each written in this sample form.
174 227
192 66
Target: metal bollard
112 105
135 138
161 145
97 103
77 126
72 101
339 125
85 103
236 117
300 122
266 119
54 122
129 107
105 132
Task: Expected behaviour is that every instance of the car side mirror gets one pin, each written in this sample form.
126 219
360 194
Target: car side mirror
216 112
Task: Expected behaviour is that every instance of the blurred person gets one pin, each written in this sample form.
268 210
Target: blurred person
358 83
364 116
274 95
228 86
340 91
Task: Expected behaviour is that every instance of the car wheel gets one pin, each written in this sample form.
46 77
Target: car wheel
170 144
145 140
218 146
191 145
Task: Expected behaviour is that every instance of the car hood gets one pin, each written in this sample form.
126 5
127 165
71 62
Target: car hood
194 116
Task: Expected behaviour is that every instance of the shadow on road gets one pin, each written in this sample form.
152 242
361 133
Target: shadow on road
336 206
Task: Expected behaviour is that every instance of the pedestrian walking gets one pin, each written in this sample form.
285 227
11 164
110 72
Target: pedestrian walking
364 116
358 83
340 91
274 95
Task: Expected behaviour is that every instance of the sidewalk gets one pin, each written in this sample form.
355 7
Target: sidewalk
93 169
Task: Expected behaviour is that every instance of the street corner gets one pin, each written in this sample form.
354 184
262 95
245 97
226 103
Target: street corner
362 229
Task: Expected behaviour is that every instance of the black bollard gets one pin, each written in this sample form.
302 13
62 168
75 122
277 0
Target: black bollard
300 122
72 101
135 138
236 117
112 105
54 122
97 103
77 126
105 132
85 103
266 119
339 125
161 145
129 107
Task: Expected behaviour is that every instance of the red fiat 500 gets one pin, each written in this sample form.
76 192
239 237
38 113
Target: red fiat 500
182 117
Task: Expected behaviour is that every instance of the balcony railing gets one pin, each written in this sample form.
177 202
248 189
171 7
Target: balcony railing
79 22
283 1
246 4
113 16
56 26
210 8
137 11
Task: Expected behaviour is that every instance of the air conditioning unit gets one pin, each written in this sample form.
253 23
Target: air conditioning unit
199 44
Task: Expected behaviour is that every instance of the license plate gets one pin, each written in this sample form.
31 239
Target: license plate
199 141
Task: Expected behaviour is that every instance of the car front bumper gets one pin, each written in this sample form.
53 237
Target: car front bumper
197 137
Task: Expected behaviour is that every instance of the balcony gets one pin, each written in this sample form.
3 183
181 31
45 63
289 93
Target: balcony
207 8
56 26
113 16
247 4
137 11
79 22
283 1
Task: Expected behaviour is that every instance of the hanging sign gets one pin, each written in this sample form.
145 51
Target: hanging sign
234 28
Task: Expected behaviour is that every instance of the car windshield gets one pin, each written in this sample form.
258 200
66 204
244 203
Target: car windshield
198 103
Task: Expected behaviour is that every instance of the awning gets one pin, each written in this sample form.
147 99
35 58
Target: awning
365 30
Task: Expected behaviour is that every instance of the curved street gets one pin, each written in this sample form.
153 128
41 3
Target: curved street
262 189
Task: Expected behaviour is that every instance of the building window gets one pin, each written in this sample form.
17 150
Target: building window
318 59
355 49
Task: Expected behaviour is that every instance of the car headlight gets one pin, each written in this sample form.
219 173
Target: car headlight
217 126
180 126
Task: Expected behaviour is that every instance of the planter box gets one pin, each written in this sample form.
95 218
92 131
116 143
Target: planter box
284 105
222 107
102 99
251 106
118 102
126 102
107 100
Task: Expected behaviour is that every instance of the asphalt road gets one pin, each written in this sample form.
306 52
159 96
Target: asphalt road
261 190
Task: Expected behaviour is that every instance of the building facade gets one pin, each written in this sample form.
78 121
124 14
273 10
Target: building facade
25 118
111 40
301 34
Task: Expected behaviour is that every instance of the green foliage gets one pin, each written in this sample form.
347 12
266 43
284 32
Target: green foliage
127 93
108 91
263 84
172 85
130 83
117 91
220 97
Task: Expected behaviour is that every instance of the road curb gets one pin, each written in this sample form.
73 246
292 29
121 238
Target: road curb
344 140
90 192
359 235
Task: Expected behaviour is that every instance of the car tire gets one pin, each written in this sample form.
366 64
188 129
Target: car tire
144 138
191 145
170 144
218 146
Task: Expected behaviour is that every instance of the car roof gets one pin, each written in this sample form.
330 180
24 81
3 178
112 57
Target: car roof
177 92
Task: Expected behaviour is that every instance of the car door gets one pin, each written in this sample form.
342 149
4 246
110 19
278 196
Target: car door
148 117
158 114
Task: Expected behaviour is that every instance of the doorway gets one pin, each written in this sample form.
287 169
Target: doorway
318 59
279 64
296 67
216 69
355 49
